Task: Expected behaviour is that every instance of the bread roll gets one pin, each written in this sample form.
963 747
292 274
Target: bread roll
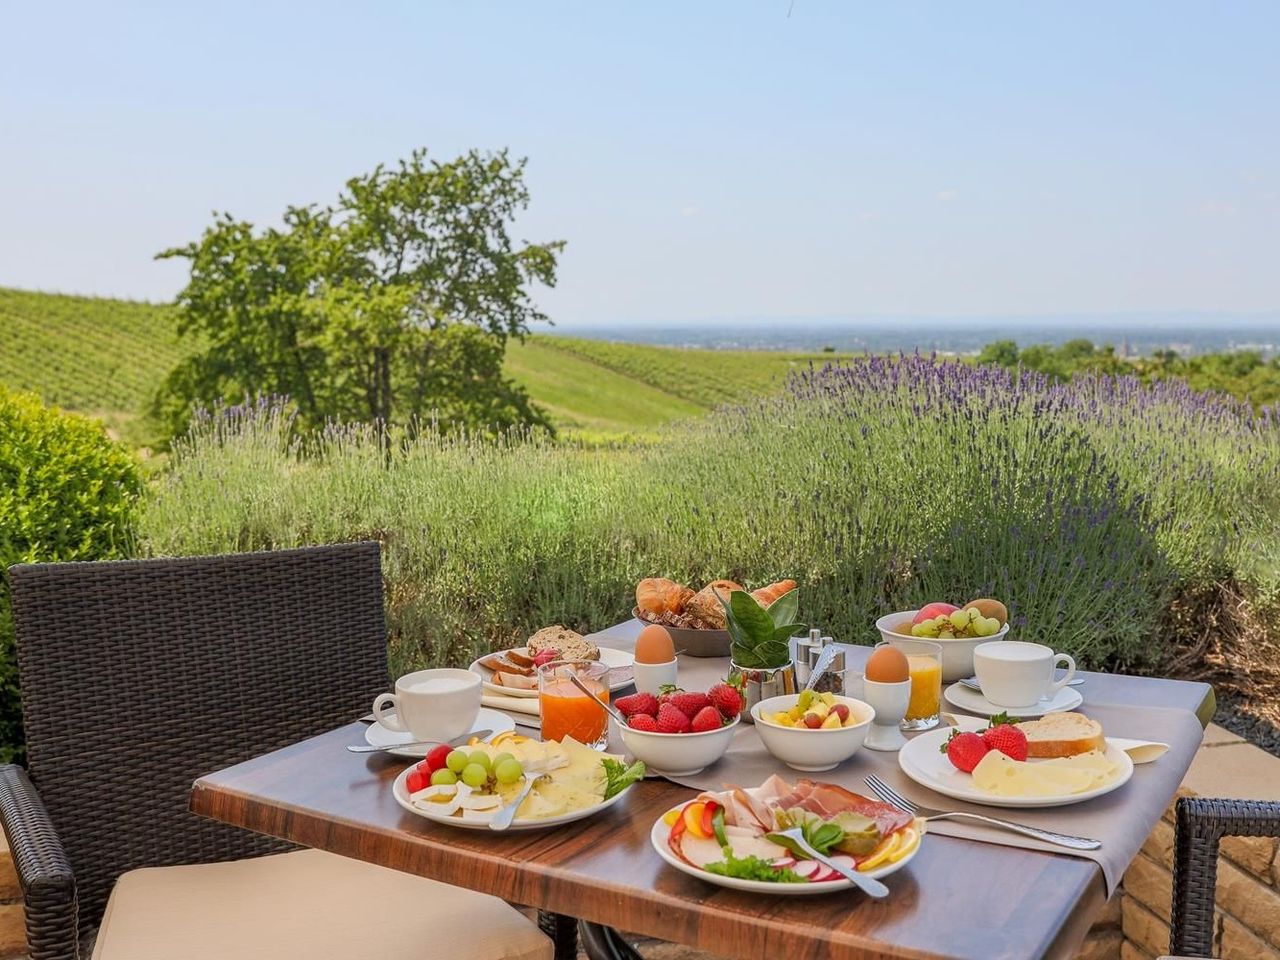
706 607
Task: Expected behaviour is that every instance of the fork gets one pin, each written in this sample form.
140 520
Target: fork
868 885
893 798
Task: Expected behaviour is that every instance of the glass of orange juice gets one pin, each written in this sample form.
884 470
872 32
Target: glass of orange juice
924 666
566 710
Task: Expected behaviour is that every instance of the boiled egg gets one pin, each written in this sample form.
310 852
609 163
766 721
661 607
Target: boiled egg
654 645
887 665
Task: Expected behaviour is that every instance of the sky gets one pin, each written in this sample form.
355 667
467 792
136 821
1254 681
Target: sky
788 158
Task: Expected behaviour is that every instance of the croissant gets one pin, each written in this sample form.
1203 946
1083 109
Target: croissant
766 595
658 595
705 604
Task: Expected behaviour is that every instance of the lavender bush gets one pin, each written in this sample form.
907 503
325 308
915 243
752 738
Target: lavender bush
878 485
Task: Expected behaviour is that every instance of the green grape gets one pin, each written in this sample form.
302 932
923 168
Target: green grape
925 629
474 775
947 635
500 757
986 626
482 758
959 619
456 760
508 771
443 776
941 621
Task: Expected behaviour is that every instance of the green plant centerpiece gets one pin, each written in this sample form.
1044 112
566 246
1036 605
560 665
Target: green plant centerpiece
760 645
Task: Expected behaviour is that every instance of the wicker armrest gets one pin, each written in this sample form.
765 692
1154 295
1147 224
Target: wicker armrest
1200 825
48 884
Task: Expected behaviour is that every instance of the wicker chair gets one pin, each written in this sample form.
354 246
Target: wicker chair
1200 826
139 676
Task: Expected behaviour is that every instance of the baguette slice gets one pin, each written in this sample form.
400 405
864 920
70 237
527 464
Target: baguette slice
1062 735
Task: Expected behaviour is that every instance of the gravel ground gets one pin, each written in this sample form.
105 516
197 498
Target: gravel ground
1236 717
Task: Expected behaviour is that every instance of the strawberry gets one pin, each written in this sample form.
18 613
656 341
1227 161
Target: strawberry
637 703
964 750
708 718
726 699
689 703
1006 738
671 719
642 721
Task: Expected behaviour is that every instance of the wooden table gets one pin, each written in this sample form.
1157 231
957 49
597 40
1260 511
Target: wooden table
958 899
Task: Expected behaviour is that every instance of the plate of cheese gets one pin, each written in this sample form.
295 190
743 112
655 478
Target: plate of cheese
1069 761
573 781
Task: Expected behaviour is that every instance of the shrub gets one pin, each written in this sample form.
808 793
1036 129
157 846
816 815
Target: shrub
67 492
877 485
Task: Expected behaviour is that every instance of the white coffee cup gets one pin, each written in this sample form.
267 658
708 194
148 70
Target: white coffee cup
1017 674
431 704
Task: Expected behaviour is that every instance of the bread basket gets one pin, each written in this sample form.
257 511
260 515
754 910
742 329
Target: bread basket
693 643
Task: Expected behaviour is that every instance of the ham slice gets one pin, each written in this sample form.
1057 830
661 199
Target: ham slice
827 800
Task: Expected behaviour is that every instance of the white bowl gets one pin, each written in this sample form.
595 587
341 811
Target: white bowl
811 750
957 654
678 754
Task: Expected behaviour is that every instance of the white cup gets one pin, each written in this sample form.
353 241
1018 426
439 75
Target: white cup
431 704
1016 674
651 677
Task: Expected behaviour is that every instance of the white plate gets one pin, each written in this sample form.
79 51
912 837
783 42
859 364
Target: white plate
658 837
376 735
401 793
924 762
616 660
966 698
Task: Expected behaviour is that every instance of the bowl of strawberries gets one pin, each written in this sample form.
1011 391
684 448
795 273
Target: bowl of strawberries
678 732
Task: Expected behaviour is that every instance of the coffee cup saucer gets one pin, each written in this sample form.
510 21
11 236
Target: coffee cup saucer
966 698
377 735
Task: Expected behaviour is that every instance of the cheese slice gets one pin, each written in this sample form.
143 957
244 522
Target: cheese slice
1003 776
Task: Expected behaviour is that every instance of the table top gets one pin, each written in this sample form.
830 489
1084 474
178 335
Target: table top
958 899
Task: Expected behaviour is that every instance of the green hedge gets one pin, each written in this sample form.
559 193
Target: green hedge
67 492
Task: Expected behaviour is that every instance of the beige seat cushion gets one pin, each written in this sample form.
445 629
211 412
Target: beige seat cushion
307 905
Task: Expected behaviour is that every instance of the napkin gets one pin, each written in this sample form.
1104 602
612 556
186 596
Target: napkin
527 705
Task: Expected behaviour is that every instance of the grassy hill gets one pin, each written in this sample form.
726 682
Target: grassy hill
106 358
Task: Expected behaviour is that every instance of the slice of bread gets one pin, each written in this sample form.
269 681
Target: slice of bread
1062 735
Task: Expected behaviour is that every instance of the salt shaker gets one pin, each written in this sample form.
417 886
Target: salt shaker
807 649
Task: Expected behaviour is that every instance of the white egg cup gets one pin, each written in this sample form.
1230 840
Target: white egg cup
889 700
652 677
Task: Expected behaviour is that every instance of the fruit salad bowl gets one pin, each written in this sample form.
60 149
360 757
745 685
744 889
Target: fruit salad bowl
957 653
812 749
678 754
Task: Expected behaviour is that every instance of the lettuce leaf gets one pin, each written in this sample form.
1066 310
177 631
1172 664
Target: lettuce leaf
618 776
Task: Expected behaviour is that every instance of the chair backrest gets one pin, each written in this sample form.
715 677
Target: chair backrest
1200 823
139 676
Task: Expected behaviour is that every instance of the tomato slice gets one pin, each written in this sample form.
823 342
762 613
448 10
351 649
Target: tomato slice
708 813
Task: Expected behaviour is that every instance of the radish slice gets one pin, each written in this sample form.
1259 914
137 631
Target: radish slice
845 861
807 868
782 862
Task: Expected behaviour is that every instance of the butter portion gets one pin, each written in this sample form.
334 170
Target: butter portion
1003 776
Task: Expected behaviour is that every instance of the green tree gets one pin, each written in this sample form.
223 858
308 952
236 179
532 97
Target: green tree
393 305
1002 352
